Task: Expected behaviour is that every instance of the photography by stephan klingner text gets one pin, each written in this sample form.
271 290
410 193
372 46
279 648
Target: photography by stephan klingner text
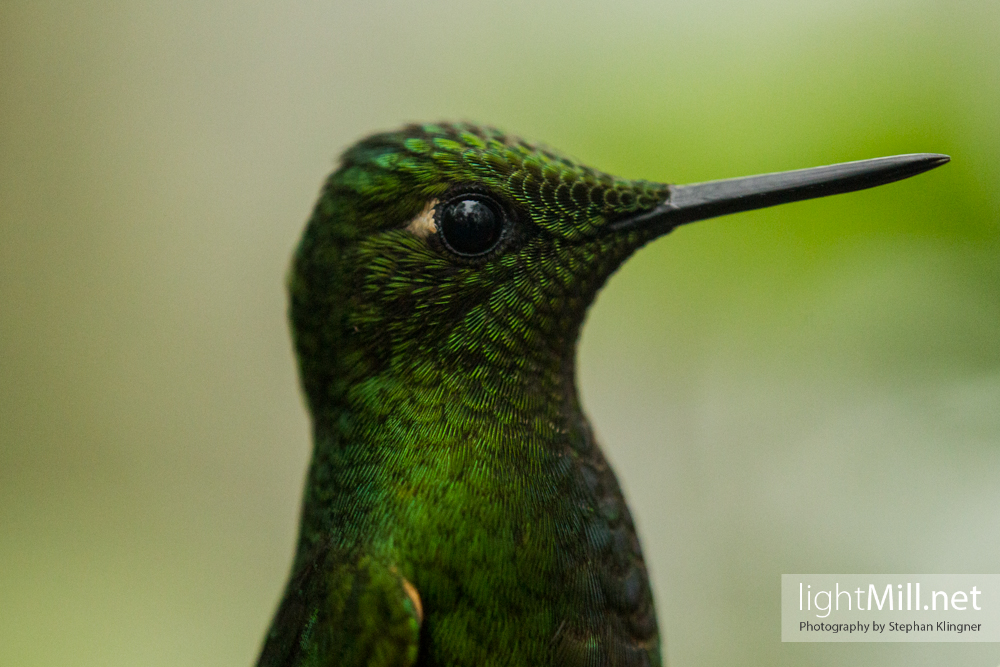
890 607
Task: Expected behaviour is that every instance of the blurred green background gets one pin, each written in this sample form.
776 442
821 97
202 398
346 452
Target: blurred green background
811 388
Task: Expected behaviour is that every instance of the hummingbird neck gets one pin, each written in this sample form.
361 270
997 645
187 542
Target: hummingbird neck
417 425
468 388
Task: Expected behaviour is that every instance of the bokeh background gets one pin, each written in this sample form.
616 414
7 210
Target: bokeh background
811 388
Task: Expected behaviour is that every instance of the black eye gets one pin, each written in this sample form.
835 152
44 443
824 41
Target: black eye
471 224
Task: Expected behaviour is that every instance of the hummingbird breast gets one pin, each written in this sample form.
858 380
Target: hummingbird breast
499 508
535 560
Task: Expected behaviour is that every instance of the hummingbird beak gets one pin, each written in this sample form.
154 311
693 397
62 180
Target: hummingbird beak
700 201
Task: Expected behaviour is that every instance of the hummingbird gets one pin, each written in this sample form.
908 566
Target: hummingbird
457 509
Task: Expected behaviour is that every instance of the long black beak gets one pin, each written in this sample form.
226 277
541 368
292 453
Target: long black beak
699 201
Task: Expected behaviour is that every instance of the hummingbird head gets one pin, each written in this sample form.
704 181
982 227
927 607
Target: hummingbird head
453 254
455 249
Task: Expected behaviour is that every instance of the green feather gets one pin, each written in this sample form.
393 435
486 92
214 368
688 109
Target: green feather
450 447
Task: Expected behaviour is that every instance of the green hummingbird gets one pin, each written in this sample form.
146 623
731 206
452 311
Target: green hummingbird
457 510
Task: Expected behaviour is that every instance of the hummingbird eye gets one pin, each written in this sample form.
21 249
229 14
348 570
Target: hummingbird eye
471 224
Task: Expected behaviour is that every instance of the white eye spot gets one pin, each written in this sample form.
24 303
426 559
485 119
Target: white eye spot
422 224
